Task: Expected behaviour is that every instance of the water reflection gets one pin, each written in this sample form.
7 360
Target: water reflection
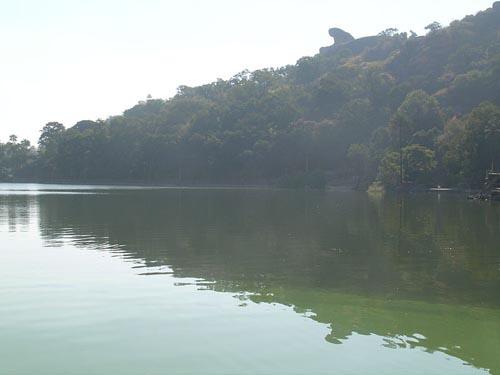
418 271
18 213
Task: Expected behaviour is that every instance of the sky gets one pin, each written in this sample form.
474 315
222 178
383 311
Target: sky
70 60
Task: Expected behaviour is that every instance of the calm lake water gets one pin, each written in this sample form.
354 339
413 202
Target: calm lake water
97 280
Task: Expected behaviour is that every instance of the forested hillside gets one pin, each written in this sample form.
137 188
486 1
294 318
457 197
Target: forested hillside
342 115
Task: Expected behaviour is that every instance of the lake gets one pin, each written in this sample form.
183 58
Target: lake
106 280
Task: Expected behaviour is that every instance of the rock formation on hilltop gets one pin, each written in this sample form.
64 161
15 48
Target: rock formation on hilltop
340 36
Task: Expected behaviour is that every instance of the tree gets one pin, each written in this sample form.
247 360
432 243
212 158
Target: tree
390 32
481 141
419 163
389 170
434 26
419 112
50 134
450 150
17 159
48 144
360 159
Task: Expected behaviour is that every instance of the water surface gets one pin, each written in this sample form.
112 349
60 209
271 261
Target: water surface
101 280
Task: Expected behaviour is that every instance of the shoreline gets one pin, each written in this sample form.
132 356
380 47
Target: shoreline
328 188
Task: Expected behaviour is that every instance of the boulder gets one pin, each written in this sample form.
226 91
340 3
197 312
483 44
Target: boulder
340 36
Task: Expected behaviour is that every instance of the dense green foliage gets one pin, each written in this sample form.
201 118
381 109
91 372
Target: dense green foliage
17 159
342 115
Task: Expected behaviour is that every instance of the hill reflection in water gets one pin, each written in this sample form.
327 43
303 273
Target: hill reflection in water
418 270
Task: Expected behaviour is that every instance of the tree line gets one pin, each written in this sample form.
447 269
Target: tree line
392 108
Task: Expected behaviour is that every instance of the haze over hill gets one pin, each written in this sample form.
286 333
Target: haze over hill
340 115
91 59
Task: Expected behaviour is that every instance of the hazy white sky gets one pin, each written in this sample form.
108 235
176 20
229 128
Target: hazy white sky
68 60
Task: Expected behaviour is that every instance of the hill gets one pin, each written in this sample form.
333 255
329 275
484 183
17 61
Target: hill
343 114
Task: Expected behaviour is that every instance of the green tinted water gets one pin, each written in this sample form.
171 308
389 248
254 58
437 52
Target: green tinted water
169 281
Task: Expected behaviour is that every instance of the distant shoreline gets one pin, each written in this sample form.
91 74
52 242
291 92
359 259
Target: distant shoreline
143 185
